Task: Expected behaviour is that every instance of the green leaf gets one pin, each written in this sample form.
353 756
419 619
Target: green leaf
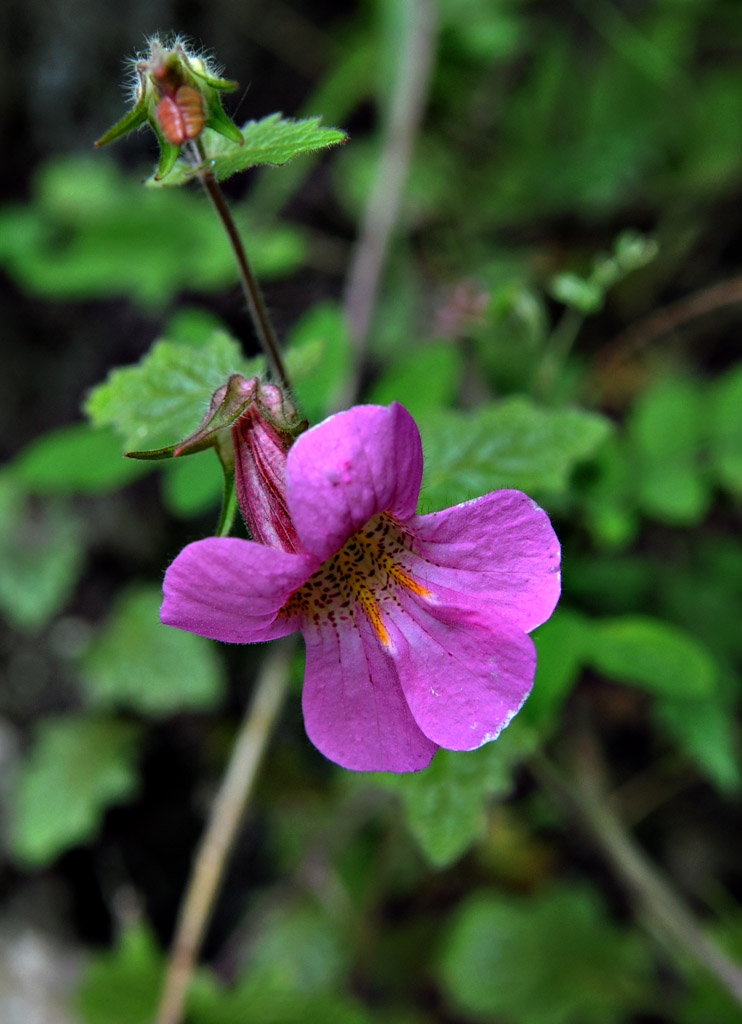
122 986
41 556
654 655
706 730
76 768
300 947
577 293
93 231
667 427
257 1000
439 365
561 644
513 443
446 804
550 958
138 662
77 459
272 140
319 387
609 496
192 486
163 397
726 430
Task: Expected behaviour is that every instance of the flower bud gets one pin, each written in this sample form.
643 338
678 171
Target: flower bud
262 437
251 425
178 92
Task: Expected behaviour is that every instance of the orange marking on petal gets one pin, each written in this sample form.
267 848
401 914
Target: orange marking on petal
372 613
407 581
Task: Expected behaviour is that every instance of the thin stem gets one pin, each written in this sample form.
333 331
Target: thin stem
382 209
255 303
664 321
664 912
219 837
558 348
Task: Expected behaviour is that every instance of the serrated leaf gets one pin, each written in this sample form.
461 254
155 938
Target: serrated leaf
550 958
653 654
272 140
76 768
163 397
513 443
445 805
77 459
137 662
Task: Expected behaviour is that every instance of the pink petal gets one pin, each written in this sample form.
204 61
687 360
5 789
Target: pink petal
499 549
231 589
354 709
463 681
349 467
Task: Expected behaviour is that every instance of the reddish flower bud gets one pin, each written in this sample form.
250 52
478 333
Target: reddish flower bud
181 116
262 437
178 92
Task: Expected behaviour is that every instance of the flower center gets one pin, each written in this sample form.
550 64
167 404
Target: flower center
364 574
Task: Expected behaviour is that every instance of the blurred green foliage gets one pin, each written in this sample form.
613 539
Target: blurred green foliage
93 231
77 765
574 170
545 959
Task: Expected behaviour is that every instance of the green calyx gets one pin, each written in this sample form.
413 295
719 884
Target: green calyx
228 403
171 84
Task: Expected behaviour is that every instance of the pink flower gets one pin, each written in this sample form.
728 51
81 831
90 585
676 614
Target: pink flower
415 625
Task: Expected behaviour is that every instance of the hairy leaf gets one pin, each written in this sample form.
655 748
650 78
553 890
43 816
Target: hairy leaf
513 443
272 140
163 397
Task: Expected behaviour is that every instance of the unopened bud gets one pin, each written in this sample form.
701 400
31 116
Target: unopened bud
262 437
179 93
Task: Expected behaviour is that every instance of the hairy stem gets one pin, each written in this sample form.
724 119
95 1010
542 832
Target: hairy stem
219 837
663 911
382 209
255 303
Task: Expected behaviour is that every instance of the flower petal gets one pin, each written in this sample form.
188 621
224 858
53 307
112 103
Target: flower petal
500 549
463 680
349 467
354 709
231 589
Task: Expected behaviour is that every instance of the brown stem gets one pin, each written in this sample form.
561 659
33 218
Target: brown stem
666 320
219 837
255 303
